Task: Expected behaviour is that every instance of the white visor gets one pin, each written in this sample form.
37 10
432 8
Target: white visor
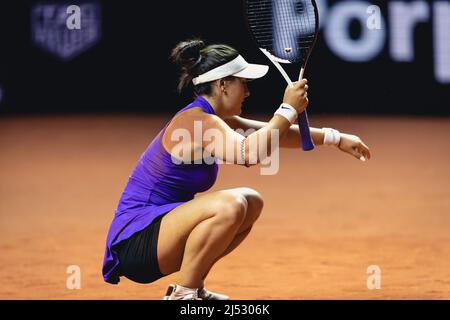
237 67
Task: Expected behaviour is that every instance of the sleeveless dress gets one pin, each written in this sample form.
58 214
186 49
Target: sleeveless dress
155 187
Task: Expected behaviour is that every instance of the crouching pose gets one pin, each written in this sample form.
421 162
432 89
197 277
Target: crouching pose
159 226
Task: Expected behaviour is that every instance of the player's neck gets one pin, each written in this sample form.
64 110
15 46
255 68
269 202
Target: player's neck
216 105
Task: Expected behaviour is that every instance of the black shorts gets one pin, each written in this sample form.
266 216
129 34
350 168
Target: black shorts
138 255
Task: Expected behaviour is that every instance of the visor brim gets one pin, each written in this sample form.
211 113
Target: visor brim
253 71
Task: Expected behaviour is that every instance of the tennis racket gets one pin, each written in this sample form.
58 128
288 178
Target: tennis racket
285 31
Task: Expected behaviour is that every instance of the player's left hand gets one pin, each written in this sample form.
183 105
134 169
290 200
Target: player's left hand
354 146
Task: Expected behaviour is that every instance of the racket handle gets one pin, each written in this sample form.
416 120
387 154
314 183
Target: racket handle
305 134
303 124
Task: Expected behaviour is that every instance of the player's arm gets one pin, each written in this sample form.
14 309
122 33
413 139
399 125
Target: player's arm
349 143
290 139
195 135
223 142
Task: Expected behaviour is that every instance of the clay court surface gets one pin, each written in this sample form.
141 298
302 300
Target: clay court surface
327 216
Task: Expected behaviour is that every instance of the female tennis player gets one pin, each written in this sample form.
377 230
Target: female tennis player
159 226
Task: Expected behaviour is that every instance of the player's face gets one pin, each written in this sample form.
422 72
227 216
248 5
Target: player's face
236 92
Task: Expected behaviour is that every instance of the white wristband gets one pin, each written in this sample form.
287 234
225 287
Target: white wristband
332 137
287 111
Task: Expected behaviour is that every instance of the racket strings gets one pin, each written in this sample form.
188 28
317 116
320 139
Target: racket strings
286 28
259 15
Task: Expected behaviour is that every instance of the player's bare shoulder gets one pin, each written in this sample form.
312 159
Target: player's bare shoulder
187 123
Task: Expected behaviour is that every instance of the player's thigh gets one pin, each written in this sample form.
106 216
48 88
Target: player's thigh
229 206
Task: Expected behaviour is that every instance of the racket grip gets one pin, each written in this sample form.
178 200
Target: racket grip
305 135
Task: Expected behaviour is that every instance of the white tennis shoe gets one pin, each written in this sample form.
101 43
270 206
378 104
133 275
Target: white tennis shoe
209 295
175 292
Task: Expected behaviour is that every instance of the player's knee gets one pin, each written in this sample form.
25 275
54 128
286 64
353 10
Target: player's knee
255 203
232 209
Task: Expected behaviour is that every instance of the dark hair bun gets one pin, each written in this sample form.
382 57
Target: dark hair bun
187 53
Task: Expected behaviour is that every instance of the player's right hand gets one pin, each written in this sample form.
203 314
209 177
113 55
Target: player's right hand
297 95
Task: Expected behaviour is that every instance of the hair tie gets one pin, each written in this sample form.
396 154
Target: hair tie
198 60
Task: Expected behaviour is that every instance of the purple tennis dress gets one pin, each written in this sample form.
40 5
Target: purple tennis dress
156 186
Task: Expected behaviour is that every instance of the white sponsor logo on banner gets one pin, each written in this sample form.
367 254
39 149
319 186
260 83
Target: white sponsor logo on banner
396 30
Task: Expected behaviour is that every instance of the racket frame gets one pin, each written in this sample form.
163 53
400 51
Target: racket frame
305 135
